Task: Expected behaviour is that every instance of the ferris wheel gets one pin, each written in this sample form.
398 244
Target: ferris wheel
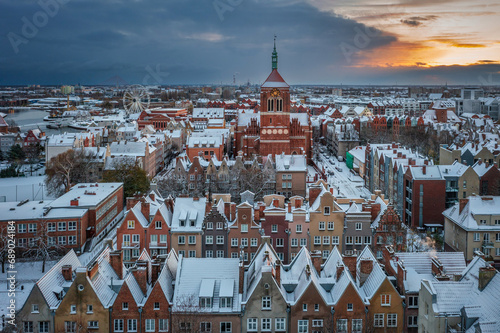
136 99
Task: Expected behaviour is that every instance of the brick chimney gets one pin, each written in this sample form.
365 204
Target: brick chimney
340 269
350 263
145 209
227 210
116 261
437 266
316 260
67 272
233 210
131 202
141 276
276 202
74 202
298 203
241 269
401 275
289 207
314 191
277 272
152 196
424 169
462 203
485 275
388 255
365 269
155 271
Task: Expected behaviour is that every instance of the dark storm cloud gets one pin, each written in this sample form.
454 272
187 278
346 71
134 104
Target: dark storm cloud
181 41
90 41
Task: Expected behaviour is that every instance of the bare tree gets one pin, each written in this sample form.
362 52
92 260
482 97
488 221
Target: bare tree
190 317
43 247
4 245
69 168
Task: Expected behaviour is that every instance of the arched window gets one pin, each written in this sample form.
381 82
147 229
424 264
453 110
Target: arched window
279 104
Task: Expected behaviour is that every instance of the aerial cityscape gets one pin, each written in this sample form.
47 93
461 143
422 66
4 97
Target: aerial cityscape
246 166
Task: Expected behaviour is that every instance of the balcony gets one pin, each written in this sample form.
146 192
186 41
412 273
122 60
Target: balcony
451 189
488 245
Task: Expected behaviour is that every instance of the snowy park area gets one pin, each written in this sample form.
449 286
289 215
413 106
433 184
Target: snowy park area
22 188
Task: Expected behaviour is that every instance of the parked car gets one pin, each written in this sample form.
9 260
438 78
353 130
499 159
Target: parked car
338 169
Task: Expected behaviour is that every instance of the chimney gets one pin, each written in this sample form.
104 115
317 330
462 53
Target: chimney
314 191
131 202
485 275
152 196
141 276
74 202
155 271
350 263
276 202
298 203
401 275
437 266
233 210
365 269
145 208
340 269
424 169
277 272
316 260
479 161
196 199
387 255
116 261
331 190
462 203
289 207
241 277
67 272
227 210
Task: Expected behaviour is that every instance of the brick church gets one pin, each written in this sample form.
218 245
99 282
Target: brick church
273 130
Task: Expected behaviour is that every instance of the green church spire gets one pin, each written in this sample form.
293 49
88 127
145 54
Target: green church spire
275 55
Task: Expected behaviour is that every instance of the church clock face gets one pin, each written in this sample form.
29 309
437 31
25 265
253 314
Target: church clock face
275 92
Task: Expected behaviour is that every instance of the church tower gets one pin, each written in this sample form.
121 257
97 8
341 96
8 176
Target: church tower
275 112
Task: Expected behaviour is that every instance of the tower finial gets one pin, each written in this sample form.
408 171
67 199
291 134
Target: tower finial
275 55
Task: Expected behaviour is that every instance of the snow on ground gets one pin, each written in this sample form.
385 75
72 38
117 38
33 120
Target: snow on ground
345 183
27 274
21 188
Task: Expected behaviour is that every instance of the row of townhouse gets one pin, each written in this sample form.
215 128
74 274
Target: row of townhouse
469 152
285 174
218 228
421 190
75 220
178 294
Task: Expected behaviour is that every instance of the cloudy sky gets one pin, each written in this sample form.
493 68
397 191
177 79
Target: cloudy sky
208 41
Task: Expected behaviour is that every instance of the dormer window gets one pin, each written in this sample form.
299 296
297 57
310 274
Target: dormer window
226 302
182 223
205 302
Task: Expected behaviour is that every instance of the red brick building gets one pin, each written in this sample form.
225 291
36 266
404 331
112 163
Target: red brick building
424 195
274 130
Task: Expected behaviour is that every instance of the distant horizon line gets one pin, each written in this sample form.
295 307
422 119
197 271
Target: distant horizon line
256 85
